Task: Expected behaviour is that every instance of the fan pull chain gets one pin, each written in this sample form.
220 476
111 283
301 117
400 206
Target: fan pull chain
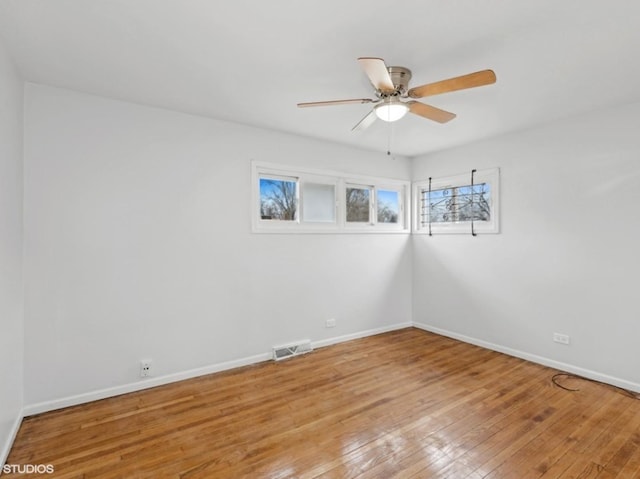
390 139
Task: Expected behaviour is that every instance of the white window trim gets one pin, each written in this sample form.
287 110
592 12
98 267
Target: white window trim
491 176
340 180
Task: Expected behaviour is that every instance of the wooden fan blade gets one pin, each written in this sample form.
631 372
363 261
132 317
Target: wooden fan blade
484 77
430 112
365 122
378 73
335 102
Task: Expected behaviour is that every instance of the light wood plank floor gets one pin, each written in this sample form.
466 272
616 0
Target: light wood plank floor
398 405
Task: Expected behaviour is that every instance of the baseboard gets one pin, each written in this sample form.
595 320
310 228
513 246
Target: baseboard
52 405
570 368
362 334
152 382
6 448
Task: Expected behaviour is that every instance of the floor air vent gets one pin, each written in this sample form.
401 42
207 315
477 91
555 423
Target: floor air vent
291 350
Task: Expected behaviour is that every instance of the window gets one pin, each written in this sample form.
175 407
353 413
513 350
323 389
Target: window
378 206
456 204
278 198
388 206
358 204
319 202
288 199
453 204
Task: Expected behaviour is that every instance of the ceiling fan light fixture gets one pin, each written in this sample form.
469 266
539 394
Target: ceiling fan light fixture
391 110
391 85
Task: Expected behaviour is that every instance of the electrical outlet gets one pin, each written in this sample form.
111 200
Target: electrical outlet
560 338
330 323
145 368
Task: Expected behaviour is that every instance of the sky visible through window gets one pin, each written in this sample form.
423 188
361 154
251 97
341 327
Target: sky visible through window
278 199
388 206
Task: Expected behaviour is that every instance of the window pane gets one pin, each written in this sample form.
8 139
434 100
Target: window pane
388 206
319 202
358 200
278 199
457 204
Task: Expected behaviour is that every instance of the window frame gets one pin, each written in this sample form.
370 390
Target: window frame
490 176
373 225
340 181
319 180
284 178
359 186
402 202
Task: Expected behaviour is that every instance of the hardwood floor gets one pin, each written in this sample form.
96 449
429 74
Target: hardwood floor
398 405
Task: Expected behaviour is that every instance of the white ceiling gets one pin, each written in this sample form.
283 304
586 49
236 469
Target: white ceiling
251 61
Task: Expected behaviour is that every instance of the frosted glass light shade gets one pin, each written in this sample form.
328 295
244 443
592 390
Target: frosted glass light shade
391 111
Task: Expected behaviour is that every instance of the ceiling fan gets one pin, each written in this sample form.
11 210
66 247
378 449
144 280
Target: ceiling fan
392 87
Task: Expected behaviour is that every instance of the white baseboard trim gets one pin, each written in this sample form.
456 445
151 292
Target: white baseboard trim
570 368
362 334
6 448
151 382
54 404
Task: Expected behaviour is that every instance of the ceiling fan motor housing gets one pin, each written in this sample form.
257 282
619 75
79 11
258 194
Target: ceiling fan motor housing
400 77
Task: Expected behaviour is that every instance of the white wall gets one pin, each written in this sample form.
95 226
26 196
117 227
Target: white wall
11 287
138 245
567 259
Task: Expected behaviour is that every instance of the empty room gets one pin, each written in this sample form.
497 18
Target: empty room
319 239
